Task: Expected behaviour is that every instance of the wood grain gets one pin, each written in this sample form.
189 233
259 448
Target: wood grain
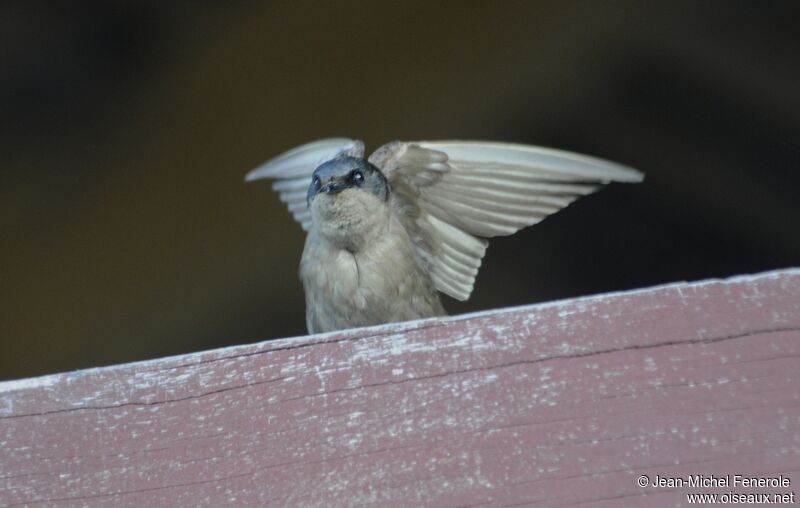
559 404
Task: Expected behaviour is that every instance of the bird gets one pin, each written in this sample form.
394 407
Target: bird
387 234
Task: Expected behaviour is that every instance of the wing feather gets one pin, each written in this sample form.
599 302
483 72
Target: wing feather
501 202
462 192
542 160
514 185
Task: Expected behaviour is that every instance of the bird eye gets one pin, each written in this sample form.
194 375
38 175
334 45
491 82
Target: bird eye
316 183
357 177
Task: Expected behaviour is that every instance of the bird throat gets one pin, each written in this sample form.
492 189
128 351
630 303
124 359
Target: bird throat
349 220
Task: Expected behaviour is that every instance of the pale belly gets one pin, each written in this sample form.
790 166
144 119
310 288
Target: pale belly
383 284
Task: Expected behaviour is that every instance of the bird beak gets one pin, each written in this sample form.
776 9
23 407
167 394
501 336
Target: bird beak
333 187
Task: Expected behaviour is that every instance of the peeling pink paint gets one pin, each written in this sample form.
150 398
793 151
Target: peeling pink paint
550 405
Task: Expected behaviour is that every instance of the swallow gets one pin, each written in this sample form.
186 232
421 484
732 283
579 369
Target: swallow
387 234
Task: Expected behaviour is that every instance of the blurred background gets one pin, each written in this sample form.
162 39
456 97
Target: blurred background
127 127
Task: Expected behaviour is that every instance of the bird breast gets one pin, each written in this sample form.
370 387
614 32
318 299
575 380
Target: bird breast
381 281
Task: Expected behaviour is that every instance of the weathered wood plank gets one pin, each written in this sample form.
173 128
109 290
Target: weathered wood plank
550 405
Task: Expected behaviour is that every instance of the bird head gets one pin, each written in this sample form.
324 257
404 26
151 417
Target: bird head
348 200
344 173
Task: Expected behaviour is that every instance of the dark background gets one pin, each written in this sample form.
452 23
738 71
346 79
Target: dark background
127 127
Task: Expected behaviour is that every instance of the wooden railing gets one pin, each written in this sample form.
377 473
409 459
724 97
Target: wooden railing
564 403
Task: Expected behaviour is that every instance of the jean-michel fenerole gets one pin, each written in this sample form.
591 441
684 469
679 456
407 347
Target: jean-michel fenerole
727 481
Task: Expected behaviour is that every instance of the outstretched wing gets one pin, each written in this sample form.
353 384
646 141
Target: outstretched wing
458 193
292 171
